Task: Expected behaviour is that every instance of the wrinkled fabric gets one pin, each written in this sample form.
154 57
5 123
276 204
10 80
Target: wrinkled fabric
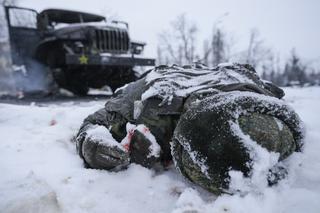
167 99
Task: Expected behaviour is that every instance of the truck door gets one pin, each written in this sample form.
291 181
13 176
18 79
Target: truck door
23 34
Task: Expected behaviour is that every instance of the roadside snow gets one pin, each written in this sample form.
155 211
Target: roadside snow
41 171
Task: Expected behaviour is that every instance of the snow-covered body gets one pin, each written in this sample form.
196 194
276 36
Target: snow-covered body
192 113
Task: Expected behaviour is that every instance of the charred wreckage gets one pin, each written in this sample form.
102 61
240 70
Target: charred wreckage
74 50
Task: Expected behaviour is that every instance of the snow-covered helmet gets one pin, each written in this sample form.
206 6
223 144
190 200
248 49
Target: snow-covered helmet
228 131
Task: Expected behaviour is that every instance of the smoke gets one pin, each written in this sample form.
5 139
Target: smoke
6 78
27 77
32 77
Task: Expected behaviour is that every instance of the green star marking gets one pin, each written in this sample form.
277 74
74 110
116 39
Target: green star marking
83 59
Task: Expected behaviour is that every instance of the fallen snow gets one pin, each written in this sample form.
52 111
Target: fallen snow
154 148
262 162
194 155
41 171
103 135
178 81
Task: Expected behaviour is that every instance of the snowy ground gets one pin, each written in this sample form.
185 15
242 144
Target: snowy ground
41 172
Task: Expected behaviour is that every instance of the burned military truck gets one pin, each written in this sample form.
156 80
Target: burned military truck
78 50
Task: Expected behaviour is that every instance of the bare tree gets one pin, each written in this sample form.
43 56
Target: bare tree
186 33
160 58
270 70
178 43
256 52
295 70
218 46
217 49
206 52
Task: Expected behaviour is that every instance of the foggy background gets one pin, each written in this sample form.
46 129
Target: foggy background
283 24
279 38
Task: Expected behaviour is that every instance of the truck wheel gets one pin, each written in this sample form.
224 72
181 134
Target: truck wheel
55 70
80 90
119 81
77 86
72 81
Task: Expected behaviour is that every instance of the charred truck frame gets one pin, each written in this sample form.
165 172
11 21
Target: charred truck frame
79 50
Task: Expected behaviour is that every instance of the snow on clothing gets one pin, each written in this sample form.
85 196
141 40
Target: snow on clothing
145 116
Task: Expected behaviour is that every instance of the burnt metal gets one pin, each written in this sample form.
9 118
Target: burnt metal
80 50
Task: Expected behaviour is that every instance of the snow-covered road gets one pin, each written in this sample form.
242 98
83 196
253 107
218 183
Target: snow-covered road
41 172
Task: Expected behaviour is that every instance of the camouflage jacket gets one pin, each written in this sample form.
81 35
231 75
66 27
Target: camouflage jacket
159 98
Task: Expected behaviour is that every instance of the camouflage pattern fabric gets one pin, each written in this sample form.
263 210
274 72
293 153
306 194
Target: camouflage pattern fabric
205 147
193 123
270 132
94 153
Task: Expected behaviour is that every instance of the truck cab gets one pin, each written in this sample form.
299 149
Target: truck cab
77 49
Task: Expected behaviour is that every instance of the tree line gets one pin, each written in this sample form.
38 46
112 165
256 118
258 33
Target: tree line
179 45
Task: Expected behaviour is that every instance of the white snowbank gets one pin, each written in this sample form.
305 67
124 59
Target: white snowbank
40 169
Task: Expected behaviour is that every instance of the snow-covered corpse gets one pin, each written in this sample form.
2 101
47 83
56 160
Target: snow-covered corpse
221 127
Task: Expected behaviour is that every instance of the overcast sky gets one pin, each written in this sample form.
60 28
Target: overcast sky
283 24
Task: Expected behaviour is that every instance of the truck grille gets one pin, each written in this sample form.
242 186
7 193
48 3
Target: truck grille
112 40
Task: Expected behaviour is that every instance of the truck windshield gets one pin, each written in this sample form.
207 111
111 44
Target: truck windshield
23 18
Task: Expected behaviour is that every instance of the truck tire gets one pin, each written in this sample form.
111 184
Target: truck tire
79 90
77 84
55 70
122 79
